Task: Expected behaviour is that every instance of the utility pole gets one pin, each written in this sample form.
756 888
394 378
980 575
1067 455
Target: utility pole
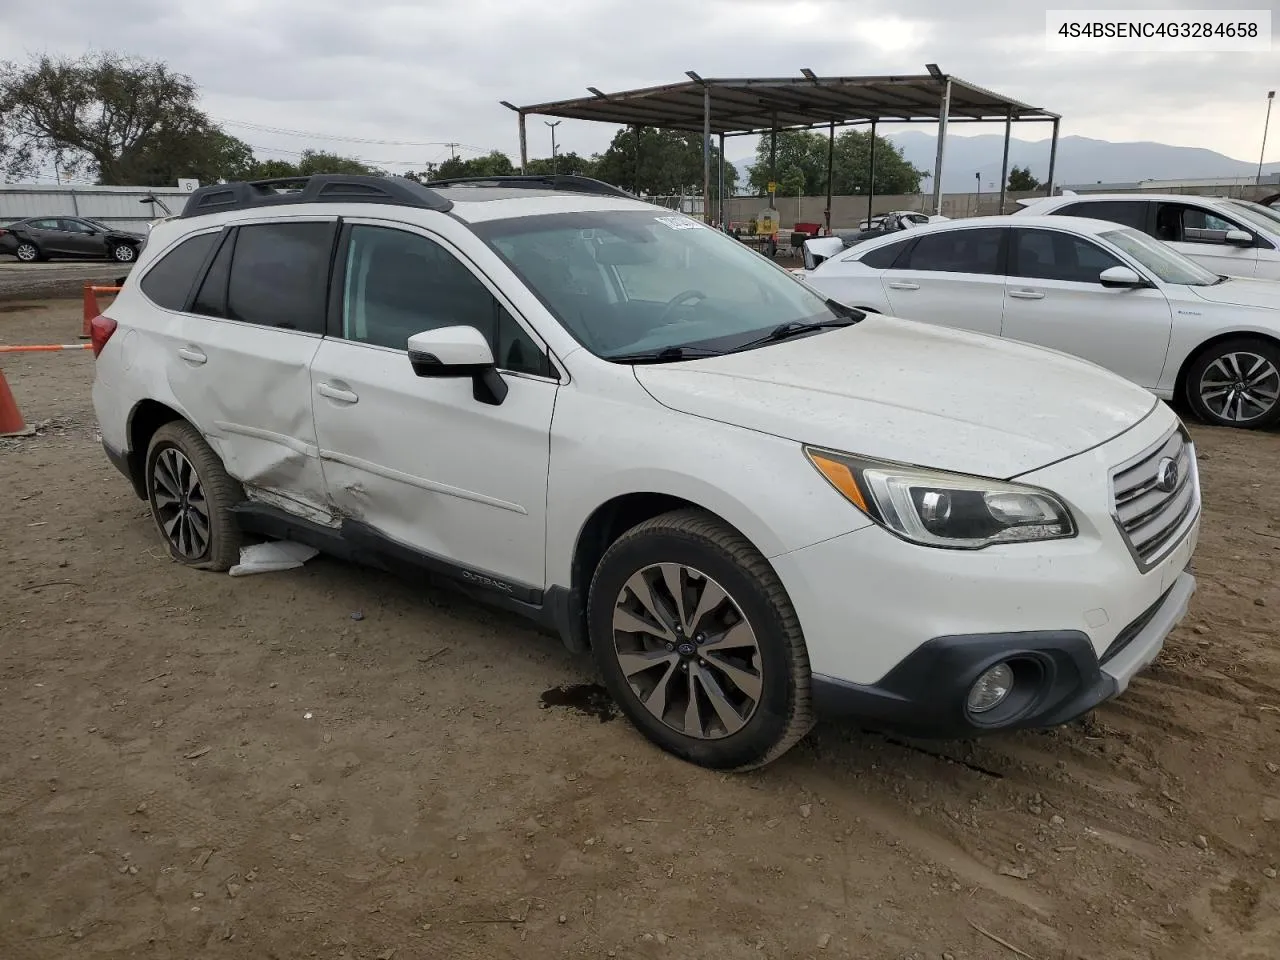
553 124
453 149
1271 96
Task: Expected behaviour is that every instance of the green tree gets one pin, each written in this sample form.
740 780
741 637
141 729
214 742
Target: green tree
492 164
570 163
1020 178
203 153
318 161
801 150
802 154
669 162
108 114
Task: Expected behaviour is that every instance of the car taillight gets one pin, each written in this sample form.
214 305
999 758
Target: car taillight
100 330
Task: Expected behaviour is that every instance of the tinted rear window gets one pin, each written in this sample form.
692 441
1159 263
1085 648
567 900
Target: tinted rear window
168 283
1130 213
882 257
958 251
279 275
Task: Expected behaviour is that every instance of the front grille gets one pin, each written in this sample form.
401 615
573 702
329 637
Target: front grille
1151 518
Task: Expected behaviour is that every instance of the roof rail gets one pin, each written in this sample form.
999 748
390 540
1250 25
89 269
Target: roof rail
561 181
319 188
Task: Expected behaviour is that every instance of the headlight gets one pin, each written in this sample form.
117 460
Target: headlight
944 509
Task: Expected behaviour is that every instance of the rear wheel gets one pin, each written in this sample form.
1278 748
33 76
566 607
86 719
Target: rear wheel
191 496
1236 383
27 252
699 644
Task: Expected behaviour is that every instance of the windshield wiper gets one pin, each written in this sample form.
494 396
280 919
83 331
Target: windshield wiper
664 355
794 328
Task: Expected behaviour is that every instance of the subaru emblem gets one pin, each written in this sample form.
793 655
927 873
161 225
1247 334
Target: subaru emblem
1167 475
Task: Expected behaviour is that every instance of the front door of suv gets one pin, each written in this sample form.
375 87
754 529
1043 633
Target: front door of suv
461 483
1200 232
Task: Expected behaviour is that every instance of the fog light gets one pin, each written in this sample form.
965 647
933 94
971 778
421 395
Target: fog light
990 689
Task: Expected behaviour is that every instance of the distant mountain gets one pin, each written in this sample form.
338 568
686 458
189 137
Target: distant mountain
1080 160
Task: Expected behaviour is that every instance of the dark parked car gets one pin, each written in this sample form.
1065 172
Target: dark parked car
39 238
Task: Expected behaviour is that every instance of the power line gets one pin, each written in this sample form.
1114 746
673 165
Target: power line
313 135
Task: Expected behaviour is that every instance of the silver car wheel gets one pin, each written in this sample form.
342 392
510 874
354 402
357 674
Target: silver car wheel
687 651
180 503
1240 386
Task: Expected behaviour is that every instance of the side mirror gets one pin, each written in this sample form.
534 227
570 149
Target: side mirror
1239 238
458 352
1120 277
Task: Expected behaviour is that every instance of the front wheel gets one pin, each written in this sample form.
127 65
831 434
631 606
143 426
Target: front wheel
123 253
699 644
191 496
1236 383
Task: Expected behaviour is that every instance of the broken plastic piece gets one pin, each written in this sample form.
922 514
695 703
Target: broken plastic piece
271 557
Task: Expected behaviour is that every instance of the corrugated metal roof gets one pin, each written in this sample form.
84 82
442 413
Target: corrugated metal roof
755 105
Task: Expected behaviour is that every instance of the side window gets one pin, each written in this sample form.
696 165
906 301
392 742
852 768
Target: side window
168 282
1051 255
1185 223
75 226
45 224
1130 213
211 300
279 272
882 258
399 284
958 251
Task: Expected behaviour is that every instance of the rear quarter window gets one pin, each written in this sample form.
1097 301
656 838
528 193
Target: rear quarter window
882 258
169 281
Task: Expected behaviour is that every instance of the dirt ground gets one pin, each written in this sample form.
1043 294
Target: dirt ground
333 763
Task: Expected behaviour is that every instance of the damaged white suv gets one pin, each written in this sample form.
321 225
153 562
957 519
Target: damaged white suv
754 505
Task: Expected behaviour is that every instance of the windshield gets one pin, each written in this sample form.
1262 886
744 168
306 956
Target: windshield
1257 214
1165 262
624 282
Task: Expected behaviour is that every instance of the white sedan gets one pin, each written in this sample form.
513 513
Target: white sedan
1107 293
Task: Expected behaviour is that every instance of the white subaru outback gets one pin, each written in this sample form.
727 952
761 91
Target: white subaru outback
754 505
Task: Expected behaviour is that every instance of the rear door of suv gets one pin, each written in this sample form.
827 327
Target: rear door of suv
245 312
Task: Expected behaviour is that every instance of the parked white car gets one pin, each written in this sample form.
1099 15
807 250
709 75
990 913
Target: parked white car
908 218
753 504
1238 238
1099 291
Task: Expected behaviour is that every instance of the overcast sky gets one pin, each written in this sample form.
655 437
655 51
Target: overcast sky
432 72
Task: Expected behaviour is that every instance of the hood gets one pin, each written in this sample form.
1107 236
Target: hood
910 392
1241 292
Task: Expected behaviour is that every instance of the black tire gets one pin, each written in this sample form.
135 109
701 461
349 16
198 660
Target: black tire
783 712
1247 356
124 253
28 252
219 494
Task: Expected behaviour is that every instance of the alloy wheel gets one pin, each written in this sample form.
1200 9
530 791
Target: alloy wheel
687 651
180 503
26 252
1240 386
124 253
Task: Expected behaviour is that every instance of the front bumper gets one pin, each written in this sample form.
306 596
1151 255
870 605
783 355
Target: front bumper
924 695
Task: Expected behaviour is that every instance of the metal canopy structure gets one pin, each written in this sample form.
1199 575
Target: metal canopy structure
741 107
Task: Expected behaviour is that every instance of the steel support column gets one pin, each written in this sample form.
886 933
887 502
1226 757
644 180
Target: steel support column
706 154
944 115
871 182
524 145
1004 164
831 163
1053 157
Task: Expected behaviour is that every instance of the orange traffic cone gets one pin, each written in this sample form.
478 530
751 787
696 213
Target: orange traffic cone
90 309
11 422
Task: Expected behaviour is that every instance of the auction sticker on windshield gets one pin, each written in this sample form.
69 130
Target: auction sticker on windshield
679 223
